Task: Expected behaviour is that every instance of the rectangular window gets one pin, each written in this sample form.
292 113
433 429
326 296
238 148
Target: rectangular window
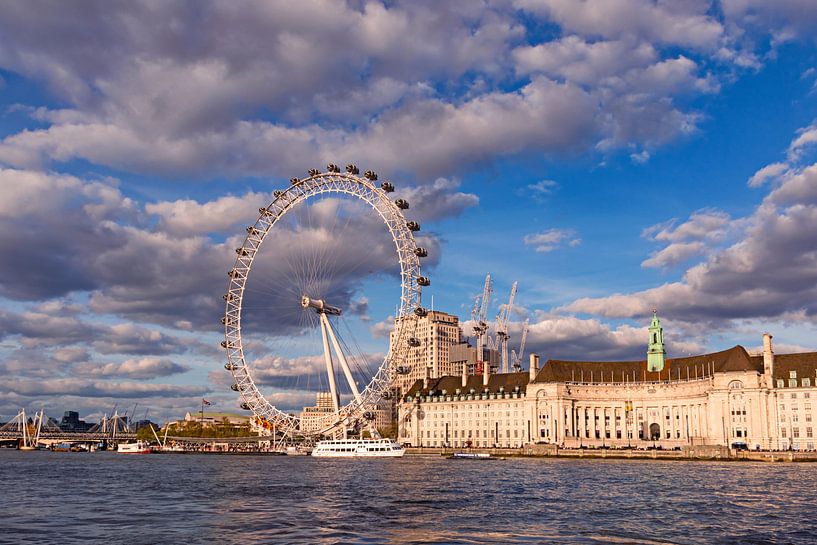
783 432
795 432
808 417
794 395
792 374
780 383
806 382
809 432
792 383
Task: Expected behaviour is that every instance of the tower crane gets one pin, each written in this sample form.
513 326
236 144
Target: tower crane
517 358
501 340
479 315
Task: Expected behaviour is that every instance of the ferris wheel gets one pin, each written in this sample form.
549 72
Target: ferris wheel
285 301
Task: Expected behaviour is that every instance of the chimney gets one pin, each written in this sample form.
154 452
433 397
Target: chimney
464 373
486 371
534 366
425 378
768 360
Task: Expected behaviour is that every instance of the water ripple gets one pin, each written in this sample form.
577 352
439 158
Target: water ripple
106 497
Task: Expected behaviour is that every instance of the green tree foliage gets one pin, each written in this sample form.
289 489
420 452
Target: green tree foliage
388 432
144 433
194 428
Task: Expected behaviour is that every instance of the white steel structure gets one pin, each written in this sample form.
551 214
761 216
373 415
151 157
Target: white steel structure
479 314
500 342
30 435
326 185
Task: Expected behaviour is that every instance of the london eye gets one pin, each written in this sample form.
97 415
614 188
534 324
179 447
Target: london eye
324 254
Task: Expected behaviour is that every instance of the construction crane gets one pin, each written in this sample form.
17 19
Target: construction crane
501 340
479 315
517 359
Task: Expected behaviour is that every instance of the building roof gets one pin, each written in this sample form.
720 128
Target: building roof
733 359
804 363
450 384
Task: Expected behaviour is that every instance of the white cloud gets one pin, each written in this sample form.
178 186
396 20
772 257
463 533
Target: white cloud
541 189
190 218
770 270
684 24
143 368
146 101
567 337
551 239
675 253
766 173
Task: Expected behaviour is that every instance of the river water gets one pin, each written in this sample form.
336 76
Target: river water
110 498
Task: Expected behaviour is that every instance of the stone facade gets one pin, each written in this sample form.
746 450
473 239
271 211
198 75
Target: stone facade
728 398
315 418
435 332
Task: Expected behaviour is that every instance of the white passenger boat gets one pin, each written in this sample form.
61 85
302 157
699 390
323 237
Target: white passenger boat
358 448
473 456
139 447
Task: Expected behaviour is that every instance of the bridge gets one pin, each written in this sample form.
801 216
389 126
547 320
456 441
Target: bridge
28 432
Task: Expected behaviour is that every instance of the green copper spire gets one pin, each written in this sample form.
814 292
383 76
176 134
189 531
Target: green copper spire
656 351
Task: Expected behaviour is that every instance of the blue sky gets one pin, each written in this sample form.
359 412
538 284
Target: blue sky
612 156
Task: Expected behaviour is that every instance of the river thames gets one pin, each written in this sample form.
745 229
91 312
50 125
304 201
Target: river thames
112 498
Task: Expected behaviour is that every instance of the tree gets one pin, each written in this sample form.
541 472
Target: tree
145 434
389 431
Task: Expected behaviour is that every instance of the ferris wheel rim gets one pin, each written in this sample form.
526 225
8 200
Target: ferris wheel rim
408 255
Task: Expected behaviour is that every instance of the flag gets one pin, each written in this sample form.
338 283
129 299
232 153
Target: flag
205 402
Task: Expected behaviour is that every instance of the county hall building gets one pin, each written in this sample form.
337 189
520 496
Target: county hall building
732 398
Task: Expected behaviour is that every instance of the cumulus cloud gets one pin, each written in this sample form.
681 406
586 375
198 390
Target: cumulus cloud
92 388
766 173
798 186
188 98
691 238
540 190
143 368
806 137
570 338
767 269
685 24
551 239
437 200
785 19
187 217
